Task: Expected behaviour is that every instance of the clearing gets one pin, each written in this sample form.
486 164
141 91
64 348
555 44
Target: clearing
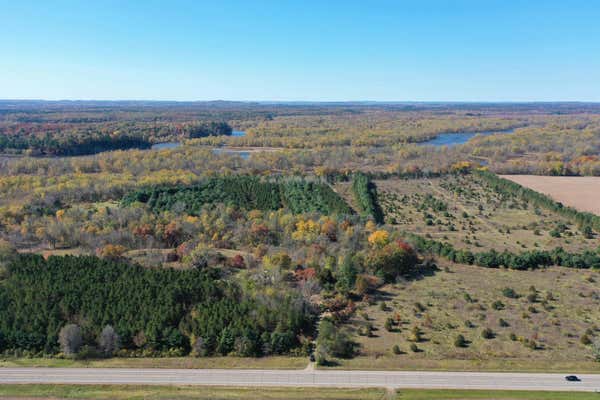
580 192
545 319
469 214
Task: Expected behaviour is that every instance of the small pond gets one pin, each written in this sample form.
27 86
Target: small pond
451 139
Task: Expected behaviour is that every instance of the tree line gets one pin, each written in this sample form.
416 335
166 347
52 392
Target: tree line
493 259
365 195
69 140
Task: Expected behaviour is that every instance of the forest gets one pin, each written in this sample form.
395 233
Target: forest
248 192
153 310
301 237
75 137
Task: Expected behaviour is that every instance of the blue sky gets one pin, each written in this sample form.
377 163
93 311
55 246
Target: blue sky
301 50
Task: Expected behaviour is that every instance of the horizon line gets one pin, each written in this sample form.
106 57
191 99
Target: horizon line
132 100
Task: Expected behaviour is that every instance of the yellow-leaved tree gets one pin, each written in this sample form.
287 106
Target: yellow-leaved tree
379 238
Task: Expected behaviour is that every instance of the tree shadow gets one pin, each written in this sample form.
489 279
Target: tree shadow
422 272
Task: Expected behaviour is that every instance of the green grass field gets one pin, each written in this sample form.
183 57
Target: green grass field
119 392
132 392
491 395
559 319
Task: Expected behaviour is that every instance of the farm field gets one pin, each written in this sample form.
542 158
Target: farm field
537 320
466 212
580 192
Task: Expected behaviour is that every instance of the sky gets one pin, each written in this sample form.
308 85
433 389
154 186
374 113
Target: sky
326 50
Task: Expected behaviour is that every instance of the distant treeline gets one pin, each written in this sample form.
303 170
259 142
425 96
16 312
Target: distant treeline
494 259
247 192
66 140
152 310
502 185
365 194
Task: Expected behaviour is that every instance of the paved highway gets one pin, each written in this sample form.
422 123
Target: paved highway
301 378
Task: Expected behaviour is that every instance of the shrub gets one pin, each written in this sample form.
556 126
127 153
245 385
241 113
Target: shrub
498 305
585 339
503 323
396 349
532 309
414 348
389 324
460 341
510 293
415 334
487 333
333 341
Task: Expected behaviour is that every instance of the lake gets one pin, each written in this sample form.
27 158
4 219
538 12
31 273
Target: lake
174 145
451 139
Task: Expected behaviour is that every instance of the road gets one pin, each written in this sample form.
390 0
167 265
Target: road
301 378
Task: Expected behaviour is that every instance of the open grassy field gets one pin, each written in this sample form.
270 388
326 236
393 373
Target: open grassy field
537 320
580 192
170 362
466 212
221 393
490 395
182 392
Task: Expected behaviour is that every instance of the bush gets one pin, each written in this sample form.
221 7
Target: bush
415 334
585 339
87 352
389 324
460 341
503 323
487 333
510 293
396 349
498 305
333 341
414 348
